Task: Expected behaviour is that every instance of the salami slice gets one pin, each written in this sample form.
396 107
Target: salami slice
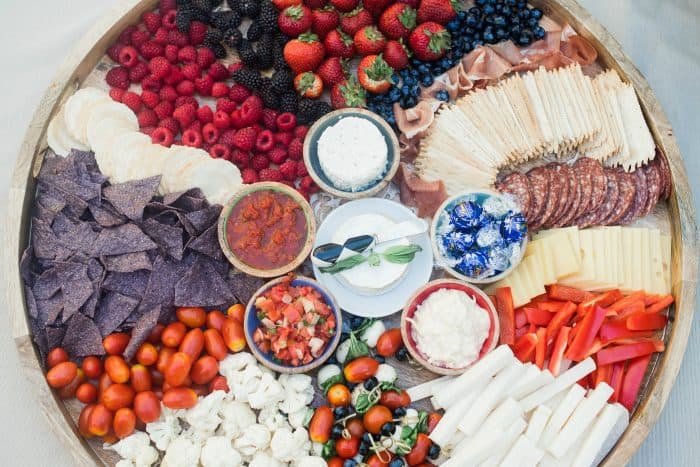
654 187
575 186
556 186
539 181
610 200
640 198
627 190
666 176
583 175
517 185
599 180
559 175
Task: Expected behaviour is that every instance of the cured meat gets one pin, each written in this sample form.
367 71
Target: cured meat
583 175
640 198
518 185
556 186
600 184
576 199
654 186
560 184
626 193
609 201
539 181
426 196
564 171
665 171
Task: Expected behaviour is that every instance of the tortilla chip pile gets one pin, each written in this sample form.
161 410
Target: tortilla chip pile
104 258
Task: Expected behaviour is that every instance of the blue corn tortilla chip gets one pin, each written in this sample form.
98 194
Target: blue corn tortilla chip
113 309
172 198
76 286
132 284
49 310
80 238
62 224
106 215
131 198
208 244
128 262
25 266
202 285
47 284
161 285
82 337
167 237
31 302
203 219
244 286
127 238
45 243
77 186
54 336
39 338
140 332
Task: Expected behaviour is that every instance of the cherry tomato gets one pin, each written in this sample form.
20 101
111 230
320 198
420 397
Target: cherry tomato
335 461
215 319
124 422
192 317
360 369
200 389
140 378
347 448
86 393
147 406
375 461
147 354
214 344
389 342
433 419
103 383
321 424
92 367
173 334
156 333
116 343
355 427
419 451
233 335
339 395
110 437
204 369
193 343
236 312
99 420
83 421
178 369
68 391
394 399
219 383
117 369
61 374
56 356
164 357
179 398
375 417
117 396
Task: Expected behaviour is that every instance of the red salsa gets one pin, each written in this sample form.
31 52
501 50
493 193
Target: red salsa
266 229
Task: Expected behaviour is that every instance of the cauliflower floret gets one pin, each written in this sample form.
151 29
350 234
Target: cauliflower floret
300 417
129 447
244 382
284 446
296 382
301 438
205 415
198 437
182 452
236 362
311 461
124 463
294 401
264 459
166 428
146 457
269 391
271 417
316 449
237 416
218 452
254 438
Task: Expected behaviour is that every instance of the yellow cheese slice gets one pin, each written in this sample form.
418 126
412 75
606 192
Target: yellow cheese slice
520 296
567 261
616 272
536 274
586 278
666 257
549 275
637 278
658 281
645 283
629 258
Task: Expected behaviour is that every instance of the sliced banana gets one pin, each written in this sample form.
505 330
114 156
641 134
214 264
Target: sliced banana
77 110
59 139
117 113
217 178
183 160
127 150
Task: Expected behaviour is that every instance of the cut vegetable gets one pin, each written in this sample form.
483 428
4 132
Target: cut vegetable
537 423
600 431
618 370
646 321
447 426
427 389
587 330
538 316
560 383
621 353
506 315
660 305
506 413
524 348
632 381
475 449
561 414
523 454
506 443
560 319
567 294
558 350
528 384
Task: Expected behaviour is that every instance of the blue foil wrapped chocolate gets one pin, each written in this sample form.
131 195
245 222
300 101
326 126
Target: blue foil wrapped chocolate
467 215
513 227
474 263
457 243
489 235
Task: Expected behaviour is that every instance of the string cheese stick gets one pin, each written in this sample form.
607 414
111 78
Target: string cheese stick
447 426
538 420
504 414
427 389
506 443
523 454
560 383
561 414
532 381
602 427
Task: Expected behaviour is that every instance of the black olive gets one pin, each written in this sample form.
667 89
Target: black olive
402 354
399 412
350 463
337 431
363 449
396 462
434 451
366 437
387 429
341 412
356 322
379 358
371 383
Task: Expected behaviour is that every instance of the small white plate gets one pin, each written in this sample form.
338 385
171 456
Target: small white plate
394 299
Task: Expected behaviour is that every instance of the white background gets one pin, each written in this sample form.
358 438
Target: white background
662 37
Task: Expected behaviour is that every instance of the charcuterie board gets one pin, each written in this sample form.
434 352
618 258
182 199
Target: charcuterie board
675 218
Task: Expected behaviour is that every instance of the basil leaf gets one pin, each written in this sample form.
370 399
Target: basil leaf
422 425
337 379
357 348
408 440
328 450
343 264
401 254
366 323
389 386
366 400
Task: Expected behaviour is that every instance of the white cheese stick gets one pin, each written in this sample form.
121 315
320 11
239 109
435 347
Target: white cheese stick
522 454
532 380
491 396
485 368
427 389
560 383
504 414
597 435
447 426
567 459
506 443
613 437
580 420
554 402
537 422
474 450
561 414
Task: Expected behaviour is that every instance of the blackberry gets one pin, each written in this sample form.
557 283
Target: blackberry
202 5
306 112
264 51
218 49
268 16
225 20
200 13
250 8
282 80
248 78
183 19
269 97
233 38
255 32
247 54
289 102
213 36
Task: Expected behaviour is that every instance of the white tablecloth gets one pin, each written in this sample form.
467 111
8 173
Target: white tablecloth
661 37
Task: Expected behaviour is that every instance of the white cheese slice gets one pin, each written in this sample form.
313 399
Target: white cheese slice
658 279
666 258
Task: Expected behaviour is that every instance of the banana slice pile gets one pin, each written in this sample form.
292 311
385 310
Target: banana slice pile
91 120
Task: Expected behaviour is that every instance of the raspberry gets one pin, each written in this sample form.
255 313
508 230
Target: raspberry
264 141
249 176
210 134
125 36
236 119
151 49
277 155
259 162
174 77
220 151
238 93
160 67
286 121
164 109
226 105
170 19
205 57
301 169
301 131
178 38
251 110
269 119
227 137
240 158
171 124
205 114
170 53
191 71
150 99
192 138
245 139
165 5
204 85
150 83
219 90
185 88
289 170
218 71
233 67
168 93
113 51
184 115
147 117
187 54
151 20
290 184
148 130
161 36
138 72
116 94
296 149
198 31
128 56
118 77
184 100
284 138
196 126
138 38
270 175
221 120
306 183
132 100
162 136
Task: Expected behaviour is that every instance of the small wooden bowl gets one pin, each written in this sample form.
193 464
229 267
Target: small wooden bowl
310 229
314 166
419 297
251 323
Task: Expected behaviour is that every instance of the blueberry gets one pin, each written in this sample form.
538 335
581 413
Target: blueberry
394 94
405 89
387 429
434 451
536 13
538 32
351 386
366 437
356 322
402 354
489 9
521 4
471 20
476 43
489 37
349 463
371 107
337 431
506 10
397 462
474 11
415 92
468 32
501 34
411 81
363 449
515 31
332 360
525 38
426 81
532 23
524 14
341 412
462 15
498 7
411 101
389 116
511 2
499 20
442 96
399 412
414 73
514 19
371 383
453 26
481 2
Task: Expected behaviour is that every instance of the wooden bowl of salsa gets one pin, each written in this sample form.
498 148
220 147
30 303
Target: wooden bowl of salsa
266 229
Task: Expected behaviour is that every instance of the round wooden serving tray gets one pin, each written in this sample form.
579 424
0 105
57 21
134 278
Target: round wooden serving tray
89 51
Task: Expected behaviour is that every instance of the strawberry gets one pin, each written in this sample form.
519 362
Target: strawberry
332 71
315 3
308 84
324 21
304 53
396 55
282 4
398 21
429 41
374 74
294 20
376 7
339 44
345 5
412 3
369 41
437 11
355 20
348 94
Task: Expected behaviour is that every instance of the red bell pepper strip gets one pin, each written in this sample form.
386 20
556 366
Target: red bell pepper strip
550 306
602 375
506 315
520 332
634 307
666 301
614 330
568 294
646 321
633 381
623 352
588 329
537 316
618 372
524 348
622 303
603 300
540 298
652 298
541 347
558 350
520 318
560 319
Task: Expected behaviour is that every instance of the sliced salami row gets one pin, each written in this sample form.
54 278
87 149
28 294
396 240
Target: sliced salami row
585 193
